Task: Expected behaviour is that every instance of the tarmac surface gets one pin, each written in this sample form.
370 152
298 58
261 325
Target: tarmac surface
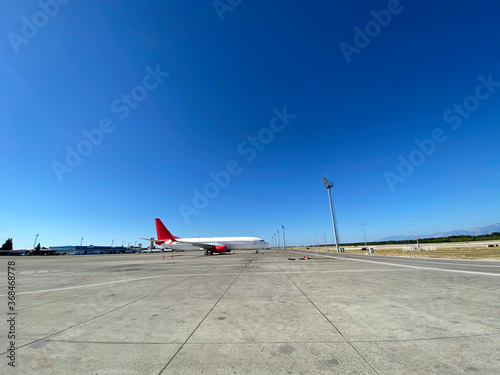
251 313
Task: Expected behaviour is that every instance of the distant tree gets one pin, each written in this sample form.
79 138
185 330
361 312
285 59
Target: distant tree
8 245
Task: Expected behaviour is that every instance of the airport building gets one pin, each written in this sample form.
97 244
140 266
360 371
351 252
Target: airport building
15 252
87 250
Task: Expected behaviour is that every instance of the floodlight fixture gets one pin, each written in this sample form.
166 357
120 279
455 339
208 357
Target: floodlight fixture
328 184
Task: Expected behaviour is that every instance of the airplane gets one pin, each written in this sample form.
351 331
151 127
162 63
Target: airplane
211 245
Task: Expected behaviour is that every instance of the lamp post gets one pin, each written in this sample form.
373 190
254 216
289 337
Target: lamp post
81 242
284 243
112 243
278 237
275 242
34 244
364 235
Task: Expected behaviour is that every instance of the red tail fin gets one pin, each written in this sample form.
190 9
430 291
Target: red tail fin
162 232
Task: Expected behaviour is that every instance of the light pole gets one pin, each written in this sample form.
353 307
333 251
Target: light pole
284 243
123 243
364 235
317 242
274 234
34 244
135 244
328 186
81 242
412 223
326 243
112 243
278 237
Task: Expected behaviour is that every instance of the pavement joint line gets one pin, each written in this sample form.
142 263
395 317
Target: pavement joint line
200 323
192 274
414 267
347 341
333 325
484 324
114 282
273 342
430 338
57 300
101 315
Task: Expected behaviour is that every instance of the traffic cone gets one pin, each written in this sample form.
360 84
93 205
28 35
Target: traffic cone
163 256
172 256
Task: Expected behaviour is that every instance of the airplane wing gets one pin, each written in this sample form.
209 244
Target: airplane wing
158 242
206 246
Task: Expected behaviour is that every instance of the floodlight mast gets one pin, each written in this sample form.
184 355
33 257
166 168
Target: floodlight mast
284 243
364 235
328 185
414 231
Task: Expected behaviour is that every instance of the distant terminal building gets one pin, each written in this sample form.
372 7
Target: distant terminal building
15 252
87 250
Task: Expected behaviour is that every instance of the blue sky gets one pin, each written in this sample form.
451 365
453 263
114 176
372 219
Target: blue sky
169 92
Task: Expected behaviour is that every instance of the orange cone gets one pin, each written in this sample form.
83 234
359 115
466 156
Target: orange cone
163 256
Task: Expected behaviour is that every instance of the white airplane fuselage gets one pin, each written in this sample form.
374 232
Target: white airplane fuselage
231 243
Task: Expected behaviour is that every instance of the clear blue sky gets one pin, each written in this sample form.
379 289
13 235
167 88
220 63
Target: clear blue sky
360 103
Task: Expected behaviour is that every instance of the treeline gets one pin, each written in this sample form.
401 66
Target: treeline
486 237
8 245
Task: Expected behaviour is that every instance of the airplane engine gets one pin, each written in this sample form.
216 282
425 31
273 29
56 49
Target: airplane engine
220 249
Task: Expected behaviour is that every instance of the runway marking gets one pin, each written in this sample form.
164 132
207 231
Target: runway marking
192 274
437 260
421 268
99 316
414 267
